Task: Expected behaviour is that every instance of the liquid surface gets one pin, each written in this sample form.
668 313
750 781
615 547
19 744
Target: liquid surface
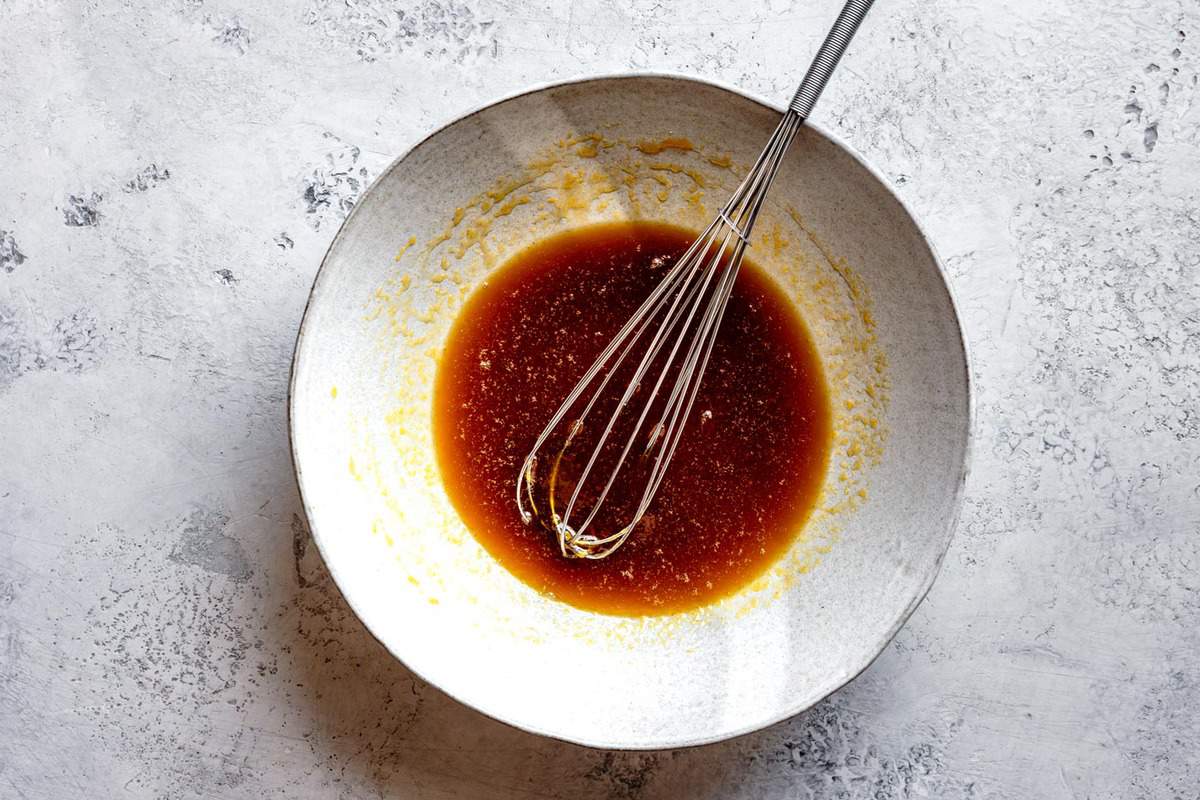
746 473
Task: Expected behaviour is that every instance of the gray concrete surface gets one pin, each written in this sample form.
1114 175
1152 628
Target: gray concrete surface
170 174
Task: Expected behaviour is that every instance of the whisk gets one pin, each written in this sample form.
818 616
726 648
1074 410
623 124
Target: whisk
673 331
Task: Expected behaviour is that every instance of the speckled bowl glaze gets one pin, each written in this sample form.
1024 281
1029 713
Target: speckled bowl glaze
434 225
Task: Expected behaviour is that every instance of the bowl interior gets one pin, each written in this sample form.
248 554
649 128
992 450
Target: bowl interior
437 222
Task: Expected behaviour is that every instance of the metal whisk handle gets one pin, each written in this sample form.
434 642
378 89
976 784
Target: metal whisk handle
828 56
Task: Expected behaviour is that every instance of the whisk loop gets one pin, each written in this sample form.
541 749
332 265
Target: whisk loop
667 340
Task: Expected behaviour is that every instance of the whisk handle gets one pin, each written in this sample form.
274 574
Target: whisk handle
828 56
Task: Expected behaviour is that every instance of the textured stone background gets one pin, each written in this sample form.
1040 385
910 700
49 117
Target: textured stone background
171 172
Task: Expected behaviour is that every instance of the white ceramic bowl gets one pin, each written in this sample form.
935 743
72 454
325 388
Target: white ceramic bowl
433 226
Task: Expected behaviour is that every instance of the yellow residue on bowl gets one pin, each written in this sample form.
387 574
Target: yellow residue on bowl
656 146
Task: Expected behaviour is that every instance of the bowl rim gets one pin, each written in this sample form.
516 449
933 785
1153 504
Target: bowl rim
835 682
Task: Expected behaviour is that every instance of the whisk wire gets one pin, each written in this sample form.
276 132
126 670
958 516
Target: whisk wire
717 255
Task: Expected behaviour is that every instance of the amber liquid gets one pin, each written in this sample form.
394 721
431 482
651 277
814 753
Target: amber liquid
749 466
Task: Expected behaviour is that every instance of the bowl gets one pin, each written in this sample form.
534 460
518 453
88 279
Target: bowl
446 214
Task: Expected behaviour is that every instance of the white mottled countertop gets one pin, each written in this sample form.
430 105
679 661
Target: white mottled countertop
171 173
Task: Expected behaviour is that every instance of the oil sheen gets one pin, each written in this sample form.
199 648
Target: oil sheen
748 469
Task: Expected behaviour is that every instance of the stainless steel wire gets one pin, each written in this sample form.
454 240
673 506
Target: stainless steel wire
673 331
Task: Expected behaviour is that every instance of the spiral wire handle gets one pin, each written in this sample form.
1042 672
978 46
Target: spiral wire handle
828 56
673 331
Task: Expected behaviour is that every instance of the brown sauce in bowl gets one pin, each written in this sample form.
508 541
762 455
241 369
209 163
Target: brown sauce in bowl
747 471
